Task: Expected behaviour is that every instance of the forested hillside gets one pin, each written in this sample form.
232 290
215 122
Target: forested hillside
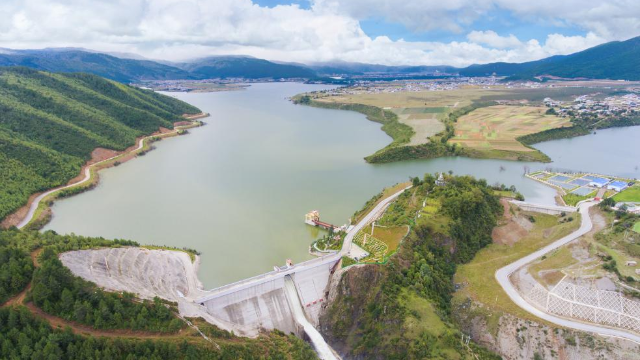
57 296
50 124
401 310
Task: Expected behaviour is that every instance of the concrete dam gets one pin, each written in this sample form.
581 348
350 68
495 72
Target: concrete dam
288 299
261 302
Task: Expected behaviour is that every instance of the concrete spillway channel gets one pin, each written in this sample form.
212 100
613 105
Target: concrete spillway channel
322 348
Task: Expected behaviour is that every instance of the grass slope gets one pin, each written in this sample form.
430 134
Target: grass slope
479 274
631 194
50 124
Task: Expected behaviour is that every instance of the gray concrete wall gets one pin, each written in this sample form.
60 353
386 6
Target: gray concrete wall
544 209
261 306
264 304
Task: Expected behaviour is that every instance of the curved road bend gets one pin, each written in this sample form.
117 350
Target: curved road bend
503 274
87 176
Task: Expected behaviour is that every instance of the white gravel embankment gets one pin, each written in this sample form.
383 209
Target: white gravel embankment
169 275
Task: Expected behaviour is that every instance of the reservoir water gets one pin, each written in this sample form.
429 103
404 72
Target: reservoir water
237 189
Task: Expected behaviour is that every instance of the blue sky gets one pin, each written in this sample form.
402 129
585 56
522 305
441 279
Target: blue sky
390 32
499 20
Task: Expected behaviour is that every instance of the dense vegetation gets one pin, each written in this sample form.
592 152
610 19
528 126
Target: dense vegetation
375 305
581 125
22 336
553 134
16 268
50 124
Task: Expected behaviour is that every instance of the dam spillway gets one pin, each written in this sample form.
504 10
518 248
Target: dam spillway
260 302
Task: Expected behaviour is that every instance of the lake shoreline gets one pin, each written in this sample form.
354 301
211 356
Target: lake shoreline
100 158
399 150
193 193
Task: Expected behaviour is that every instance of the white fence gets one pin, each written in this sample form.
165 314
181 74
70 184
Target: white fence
597 306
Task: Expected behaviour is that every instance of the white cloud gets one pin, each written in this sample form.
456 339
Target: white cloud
330 30
492 39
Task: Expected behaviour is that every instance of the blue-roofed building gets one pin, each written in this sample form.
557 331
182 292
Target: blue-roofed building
618 185
598 182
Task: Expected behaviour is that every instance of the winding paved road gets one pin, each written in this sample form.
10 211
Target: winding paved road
503 274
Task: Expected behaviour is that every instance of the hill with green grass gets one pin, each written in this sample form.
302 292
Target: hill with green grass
402 309
50 123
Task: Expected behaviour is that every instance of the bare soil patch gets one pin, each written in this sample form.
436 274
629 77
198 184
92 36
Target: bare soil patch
513 227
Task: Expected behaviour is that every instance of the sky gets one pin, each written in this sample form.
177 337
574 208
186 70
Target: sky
390 32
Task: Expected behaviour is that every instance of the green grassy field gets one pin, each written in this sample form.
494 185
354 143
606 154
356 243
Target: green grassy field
573 199
636 227
631 194
389 235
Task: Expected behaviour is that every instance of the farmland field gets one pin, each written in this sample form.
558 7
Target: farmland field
497 127
424 122
389 235
422 114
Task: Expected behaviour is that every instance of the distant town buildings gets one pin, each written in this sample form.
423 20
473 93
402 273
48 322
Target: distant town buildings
593 106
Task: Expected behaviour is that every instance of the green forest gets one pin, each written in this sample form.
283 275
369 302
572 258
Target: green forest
50 124
56 291
23 336
376 304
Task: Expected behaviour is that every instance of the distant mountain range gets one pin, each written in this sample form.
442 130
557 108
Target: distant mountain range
244 67
123 68
353 68
108 66
618 60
